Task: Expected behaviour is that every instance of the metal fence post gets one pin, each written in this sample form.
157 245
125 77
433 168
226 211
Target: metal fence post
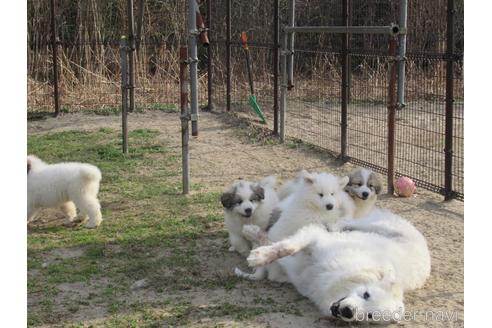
185 118
228 54
193 60
210 82
448 143
276 48
402 49
124 92
392 95
54 48
283 86
131 60
345 70
349 58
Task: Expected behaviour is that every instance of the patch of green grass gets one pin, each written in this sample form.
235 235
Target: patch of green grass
149 231
166 108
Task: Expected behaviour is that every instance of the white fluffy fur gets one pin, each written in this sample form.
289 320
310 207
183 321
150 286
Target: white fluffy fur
312 198
235 216
383 257
319 198
66 185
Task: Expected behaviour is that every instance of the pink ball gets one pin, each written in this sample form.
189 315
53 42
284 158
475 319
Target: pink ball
405 187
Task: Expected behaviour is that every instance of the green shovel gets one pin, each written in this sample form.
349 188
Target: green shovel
252 97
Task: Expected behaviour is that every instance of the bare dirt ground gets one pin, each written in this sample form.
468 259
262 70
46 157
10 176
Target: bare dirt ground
226 150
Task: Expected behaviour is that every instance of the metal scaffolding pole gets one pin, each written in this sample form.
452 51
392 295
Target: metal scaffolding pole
392 105
228 54
124 93
402 49
391 30
54 49
131 50
210 82
185 118
448 142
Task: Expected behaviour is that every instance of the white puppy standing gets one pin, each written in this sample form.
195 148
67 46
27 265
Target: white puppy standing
244 203
356 275
68 185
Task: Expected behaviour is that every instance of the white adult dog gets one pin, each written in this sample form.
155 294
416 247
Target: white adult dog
247 202
67 185
356 274
314 198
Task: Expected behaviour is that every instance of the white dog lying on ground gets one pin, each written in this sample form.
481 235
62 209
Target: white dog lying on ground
247 202
358 274
66 185
315 198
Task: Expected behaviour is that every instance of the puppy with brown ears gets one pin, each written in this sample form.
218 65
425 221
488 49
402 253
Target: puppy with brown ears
244 203
364 187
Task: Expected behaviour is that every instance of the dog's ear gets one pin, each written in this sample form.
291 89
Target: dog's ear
343 182
387 274
374 181
28 165
308 177
259 192
227 199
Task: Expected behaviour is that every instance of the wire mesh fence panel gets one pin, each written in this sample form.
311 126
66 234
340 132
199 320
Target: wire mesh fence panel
88 35
88 38
458 131
367 110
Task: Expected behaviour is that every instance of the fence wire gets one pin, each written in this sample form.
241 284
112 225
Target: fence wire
314 105
89 78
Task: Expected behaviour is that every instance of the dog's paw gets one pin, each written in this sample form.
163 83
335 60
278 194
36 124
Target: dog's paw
261 256
251 232
92 224
238 272
74 222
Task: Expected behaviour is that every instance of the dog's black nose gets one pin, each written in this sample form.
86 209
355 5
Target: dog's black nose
365 194
347 312
248 211
334 309
329 207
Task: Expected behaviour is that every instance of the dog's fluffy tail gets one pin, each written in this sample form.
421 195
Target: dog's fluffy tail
258 274
90 173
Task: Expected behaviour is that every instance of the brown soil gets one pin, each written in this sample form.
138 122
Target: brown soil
224 152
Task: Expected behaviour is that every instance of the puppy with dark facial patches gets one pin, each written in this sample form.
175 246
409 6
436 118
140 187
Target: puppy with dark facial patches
244 203
364 188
